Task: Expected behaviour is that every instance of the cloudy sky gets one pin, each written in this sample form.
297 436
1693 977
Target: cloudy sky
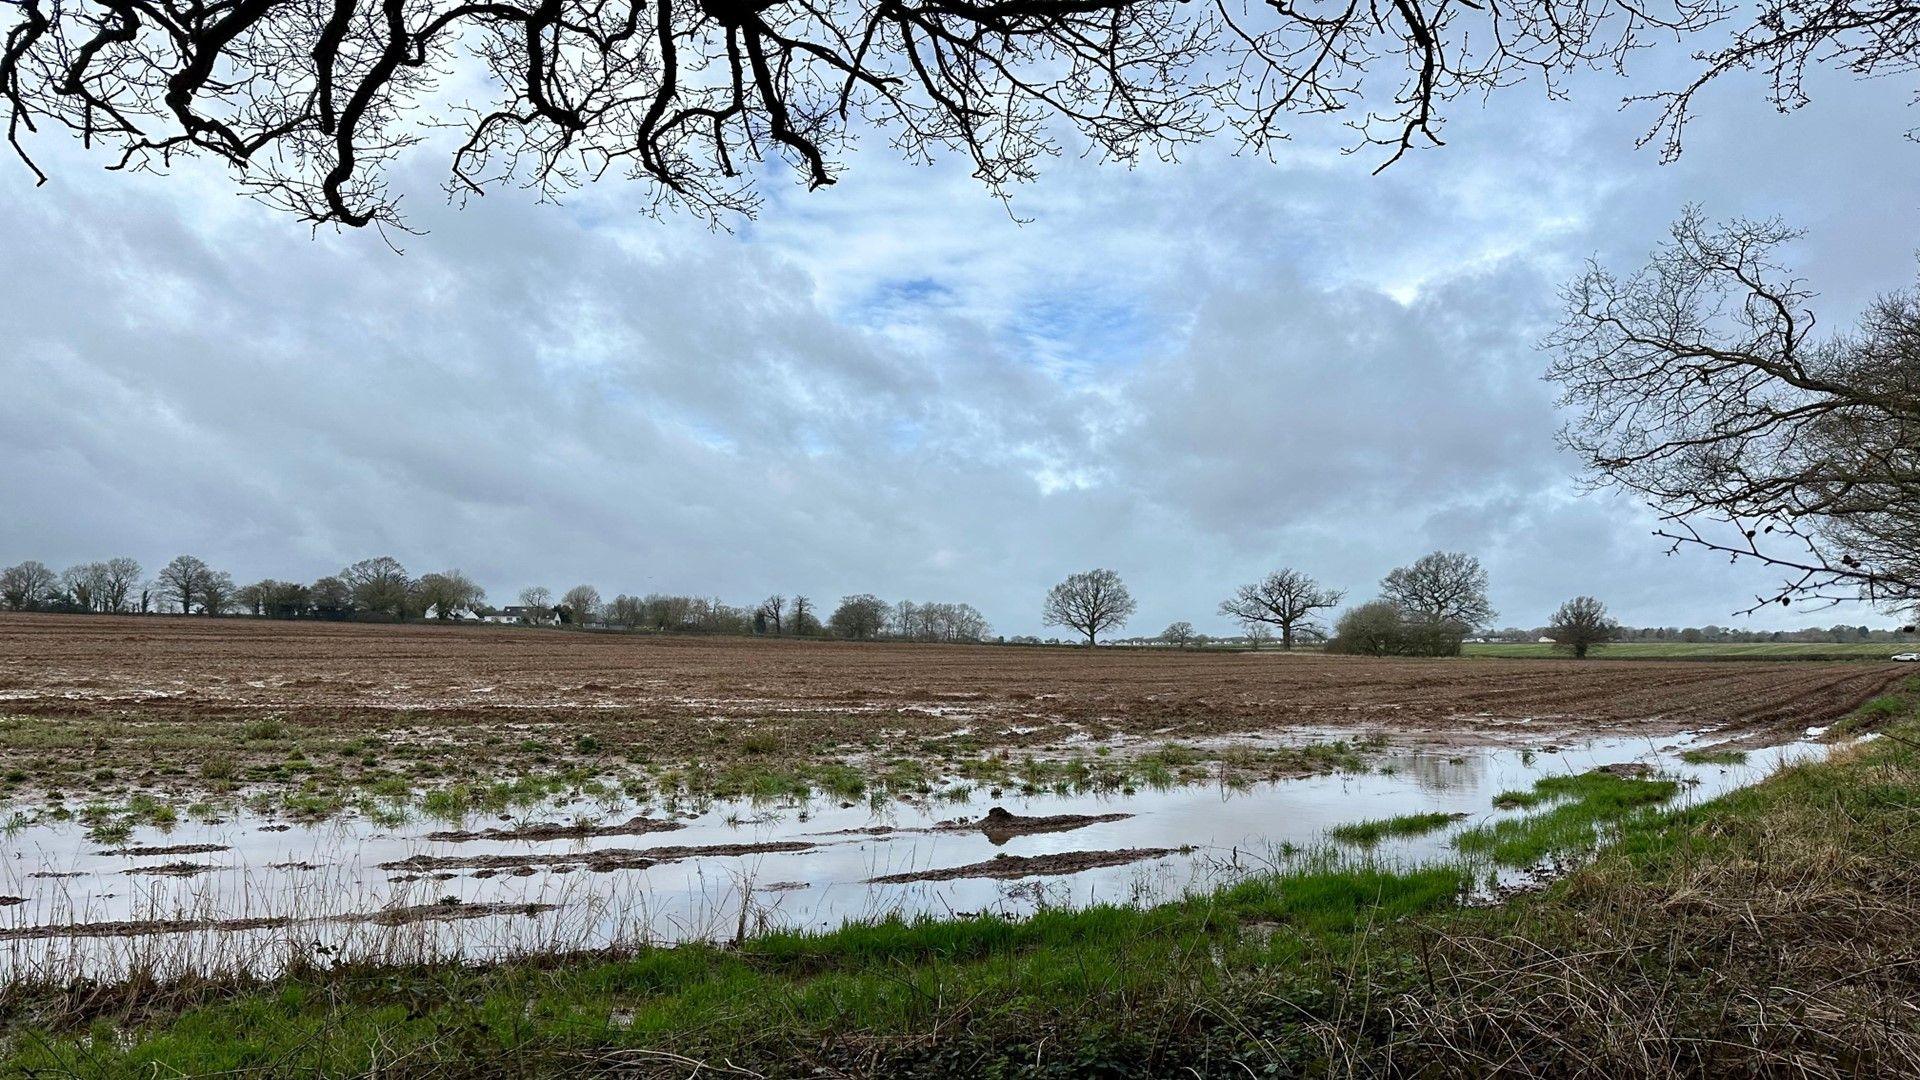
1191 374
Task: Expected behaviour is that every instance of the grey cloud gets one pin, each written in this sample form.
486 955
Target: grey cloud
1190 373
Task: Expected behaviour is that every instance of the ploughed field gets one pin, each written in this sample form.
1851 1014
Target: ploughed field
161 666
153 698
305 718
234 794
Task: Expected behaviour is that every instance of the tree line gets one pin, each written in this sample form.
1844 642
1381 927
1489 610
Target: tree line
1427 608
381 588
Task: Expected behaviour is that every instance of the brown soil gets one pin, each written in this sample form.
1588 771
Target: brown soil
172 869
443 911
1000 825
168 666
599 860
549 830
1009 867
165 849
156 699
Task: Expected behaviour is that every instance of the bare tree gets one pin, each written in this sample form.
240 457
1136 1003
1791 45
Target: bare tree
332 598
380 586
1179 634
1091 602
275 599
119 578
1257 634
774 608
537 599
581 605
1285 599
627 612
446 594
312 107
1580 624
1442 598
81 584
859 617
27 585
217 592
804 622
1699 384
182 581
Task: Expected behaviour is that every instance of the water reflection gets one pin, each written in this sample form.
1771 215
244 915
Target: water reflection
259 895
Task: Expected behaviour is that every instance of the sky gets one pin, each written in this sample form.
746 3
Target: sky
1190 373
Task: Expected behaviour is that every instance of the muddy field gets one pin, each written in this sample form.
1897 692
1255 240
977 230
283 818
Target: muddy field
160 667
182 703
242 788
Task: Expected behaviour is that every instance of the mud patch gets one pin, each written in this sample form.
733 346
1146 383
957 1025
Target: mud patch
1010 867
553 830
172 869
448 910
598 860
166 849
444 911
11 901
1000 825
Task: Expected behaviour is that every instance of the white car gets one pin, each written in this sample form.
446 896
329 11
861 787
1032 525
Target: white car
1906 656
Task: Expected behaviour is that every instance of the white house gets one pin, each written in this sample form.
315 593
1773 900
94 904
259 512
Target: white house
517 613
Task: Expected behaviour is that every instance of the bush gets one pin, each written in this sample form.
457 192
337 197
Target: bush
1382 628
1375 629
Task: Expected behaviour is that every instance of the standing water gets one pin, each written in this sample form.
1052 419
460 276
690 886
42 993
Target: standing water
253 894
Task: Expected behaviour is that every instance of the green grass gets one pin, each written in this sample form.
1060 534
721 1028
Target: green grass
1368 833
1678 650
1582 806
1713 757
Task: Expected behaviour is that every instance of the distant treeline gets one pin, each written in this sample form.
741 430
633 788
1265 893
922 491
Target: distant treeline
1838 634
1429 607
381 589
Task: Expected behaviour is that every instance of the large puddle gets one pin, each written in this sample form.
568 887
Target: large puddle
255 894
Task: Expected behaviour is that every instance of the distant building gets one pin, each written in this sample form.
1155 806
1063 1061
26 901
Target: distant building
517 613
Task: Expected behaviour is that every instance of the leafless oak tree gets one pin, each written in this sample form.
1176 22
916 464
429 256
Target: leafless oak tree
1091 602
859 617
1580 624
311 103
1699 383
183 579
27 585
1285 599
580 605
119 578
1442 598
380 586
1179 634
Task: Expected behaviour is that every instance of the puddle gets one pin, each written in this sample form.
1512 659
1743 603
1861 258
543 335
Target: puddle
257 895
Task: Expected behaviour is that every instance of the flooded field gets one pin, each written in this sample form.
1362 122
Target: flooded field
257 894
